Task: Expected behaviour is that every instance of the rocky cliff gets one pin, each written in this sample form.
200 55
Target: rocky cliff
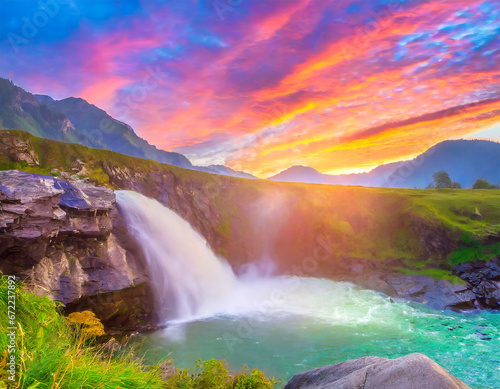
371 236
67 241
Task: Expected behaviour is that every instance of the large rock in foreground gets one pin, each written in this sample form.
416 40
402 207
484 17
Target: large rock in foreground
414 371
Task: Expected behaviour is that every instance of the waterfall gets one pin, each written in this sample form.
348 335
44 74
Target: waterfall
190 282
188 279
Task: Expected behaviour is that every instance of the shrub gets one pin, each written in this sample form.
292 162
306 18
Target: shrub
86 323
481 183
214 374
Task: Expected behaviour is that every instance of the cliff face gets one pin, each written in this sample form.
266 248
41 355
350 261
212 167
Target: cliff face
249 220
66 240
364 235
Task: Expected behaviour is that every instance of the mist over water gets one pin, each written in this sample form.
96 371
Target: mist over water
283 325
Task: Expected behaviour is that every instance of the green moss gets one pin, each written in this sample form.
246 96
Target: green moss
224 228
437 274
474 251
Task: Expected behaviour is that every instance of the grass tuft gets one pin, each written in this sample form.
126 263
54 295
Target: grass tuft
57 352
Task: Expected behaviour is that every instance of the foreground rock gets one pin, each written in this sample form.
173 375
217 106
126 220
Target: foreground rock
414 371
67 241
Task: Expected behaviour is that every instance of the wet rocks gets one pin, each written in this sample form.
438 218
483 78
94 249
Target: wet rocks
438 294
483 279
127 309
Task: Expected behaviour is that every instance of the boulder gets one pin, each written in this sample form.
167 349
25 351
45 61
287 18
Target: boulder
414 371
438 294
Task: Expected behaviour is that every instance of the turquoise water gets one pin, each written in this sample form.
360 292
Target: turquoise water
286 325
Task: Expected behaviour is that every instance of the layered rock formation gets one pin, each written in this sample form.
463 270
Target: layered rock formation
343 233
414 371
67 241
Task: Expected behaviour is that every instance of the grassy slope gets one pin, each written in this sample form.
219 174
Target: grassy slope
51 353
356 221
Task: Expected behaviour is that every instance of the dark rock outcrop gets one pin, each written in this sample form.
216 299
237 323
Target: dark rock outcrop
121 310
67 241
17 149
414 371
438 294
386 277
483 279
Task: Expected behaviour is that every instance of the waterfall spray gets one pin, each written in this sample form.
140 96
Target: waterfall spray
187 277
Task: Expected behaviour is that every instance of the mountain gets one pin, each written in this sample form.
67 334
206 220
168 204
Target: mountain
299 173
306 174
76 121
225 171
105 132
464 160
20 109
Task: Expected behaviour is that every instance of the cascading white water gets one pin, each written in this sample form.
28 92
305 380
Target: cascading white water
191 282
188 278
289 324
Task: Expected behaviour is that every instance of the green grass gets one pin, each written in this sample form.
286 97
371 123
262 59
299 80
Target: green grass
53 353
11 165
473 250
437 274
456 208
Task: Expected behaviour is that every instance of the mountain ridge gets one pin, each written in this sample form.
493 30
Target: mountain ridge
465 160
75 120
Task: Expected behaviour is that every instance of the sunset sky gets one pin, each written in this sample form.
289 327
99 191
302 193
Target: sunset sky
260 85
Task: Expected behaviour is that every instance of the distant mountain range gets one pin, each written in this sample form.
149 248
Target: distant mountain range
75 120
464 160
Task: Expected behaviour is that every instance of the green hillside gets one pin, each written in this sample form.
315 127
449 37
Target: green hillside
248 219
